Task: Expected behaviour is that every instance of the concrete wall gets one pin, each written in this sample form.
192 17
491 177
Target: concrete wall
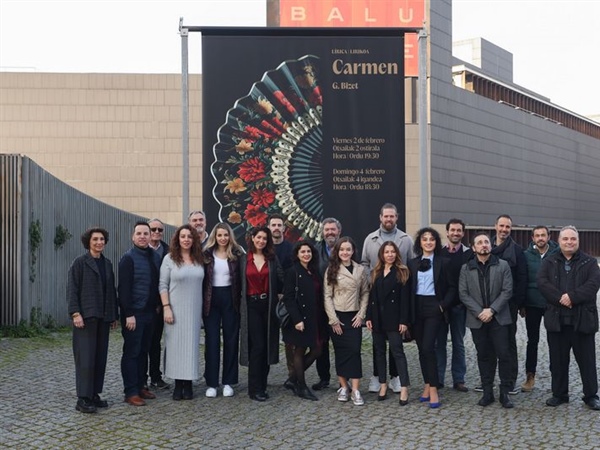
116 137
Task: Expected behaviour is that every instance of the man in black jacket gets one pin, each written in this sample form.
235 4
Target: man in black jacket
569 281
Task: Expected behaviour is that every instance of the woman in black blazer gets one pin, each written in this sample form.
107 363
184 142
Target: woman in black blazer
388 315
303 297
432 294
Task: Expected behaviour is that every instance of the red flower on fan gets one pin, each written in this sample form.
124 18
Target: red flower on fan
252 170
262 197
255 216
280 96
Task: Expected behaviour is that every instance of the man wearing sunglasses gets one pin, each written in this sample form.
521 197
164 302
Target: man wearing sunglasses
569 281
157 230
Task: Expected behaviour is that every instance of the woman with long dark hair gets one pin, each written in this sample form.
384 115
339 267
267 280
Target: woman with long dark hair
346 300
92 305
221 308
388 315
433 293
303 297
262 280
180 287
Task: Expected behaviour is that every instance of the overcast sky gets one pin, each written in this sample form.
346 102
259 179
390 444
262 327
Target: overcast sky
555 43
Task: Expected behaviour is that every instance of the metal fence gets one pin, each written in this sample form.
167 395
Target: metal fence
41 221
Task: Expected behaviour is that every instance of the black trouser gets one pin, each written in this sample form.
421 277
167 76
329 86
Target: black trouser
512 345
323 362
90 349
397 351
393 368
533 319
154 352
491 342
426 330
258 364
584 348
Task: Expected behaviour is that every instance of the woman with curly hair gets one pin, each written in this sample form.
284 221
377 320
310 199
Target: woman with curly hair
180 287
221 308
388 315
433 293
346 300
262 281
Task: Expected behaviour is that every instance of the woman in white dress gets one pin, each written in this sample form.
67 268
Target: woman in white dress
180 287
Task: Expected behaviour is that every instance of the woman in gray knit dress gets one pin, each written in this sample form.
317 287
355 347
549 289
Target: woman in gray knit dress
180 287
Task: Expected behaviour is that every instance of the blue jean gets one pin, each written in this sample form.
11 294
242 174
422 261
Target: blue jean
458 317
222 314
136 344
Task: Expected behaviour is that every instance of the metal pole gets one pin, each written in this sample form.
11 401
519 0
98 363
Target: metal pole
185 132
422 118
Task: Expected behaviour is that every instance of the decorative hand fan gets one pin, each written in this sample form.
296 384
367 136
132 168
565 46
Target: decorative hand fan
268 154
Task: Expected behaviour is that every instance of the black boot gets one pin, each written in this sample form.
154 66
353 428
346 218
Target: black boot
188 392
178 391
488 396
505 400
304 392
85 405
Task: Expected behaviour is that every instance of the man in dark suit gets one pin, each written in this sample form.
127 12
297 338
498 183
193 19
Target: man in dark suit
569 281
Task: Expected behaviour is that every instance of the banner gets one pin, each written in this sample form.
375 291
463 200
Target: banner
308 123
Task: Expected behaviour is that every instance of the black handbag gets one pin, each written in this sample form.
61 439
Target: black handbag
281 311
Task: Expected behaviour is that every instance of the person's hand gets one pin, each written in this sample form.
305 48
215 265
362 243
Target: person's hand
357 321
337 328
522 312
370 325
565 300
168 316
402 329
78 321
486 315
114 325
299 326
130 323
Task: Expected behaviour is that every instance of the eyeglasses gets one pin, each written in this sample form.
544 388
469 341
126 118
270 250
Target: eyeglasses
567 266
157 229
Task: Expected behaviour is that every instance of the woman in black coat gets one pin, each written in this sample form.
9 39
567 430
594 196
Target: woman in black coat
433 293
303 298
92 304
388 315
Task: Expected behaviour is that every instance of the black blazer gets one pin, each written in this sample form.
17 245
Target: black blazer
389 303
443 281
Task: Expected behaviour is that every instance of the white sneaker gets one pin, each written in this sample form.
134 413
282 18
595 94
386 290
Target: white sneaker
227 391
374 384
357 398
211 392
342 394
395 384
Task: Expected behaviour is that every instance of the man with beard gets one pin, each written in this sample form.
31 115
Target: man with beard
485 287
569 281
387 231
197 219
283 248
504 247
535 304
458 254
331 231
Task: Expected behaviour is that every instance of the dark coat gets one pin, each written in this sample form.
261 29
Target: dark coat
84 289
586 276
389 303
445 285
236 285
534 297
513 254
275 287
304 305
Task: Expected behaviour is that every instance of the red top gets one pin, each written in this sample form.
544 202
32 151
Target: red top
258 280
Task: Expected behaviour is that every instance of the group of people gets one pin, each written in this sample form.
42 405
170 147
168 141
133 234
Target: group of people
399 289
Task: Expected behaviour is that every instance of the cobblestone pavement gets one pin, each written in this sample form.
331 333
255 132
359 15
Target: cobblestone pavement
37 404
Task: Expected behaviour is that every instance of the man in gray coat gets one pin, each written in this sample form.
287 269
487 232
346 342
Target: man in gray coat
485 287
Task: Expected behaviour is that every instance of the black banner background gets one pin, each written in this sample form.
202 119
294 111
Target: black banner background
362 127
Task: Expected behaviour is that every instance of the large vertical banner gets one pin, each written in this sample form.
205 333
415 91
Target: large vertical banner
308 123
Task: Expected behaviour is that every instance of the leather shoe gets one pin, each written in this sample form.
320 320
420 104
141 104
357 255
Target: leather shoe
381 398
85 405
322 384
403 402
486 400
259 397
594 404
98 402
145 393
505 401
460 387
289 384
135 400
556 401
306 394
